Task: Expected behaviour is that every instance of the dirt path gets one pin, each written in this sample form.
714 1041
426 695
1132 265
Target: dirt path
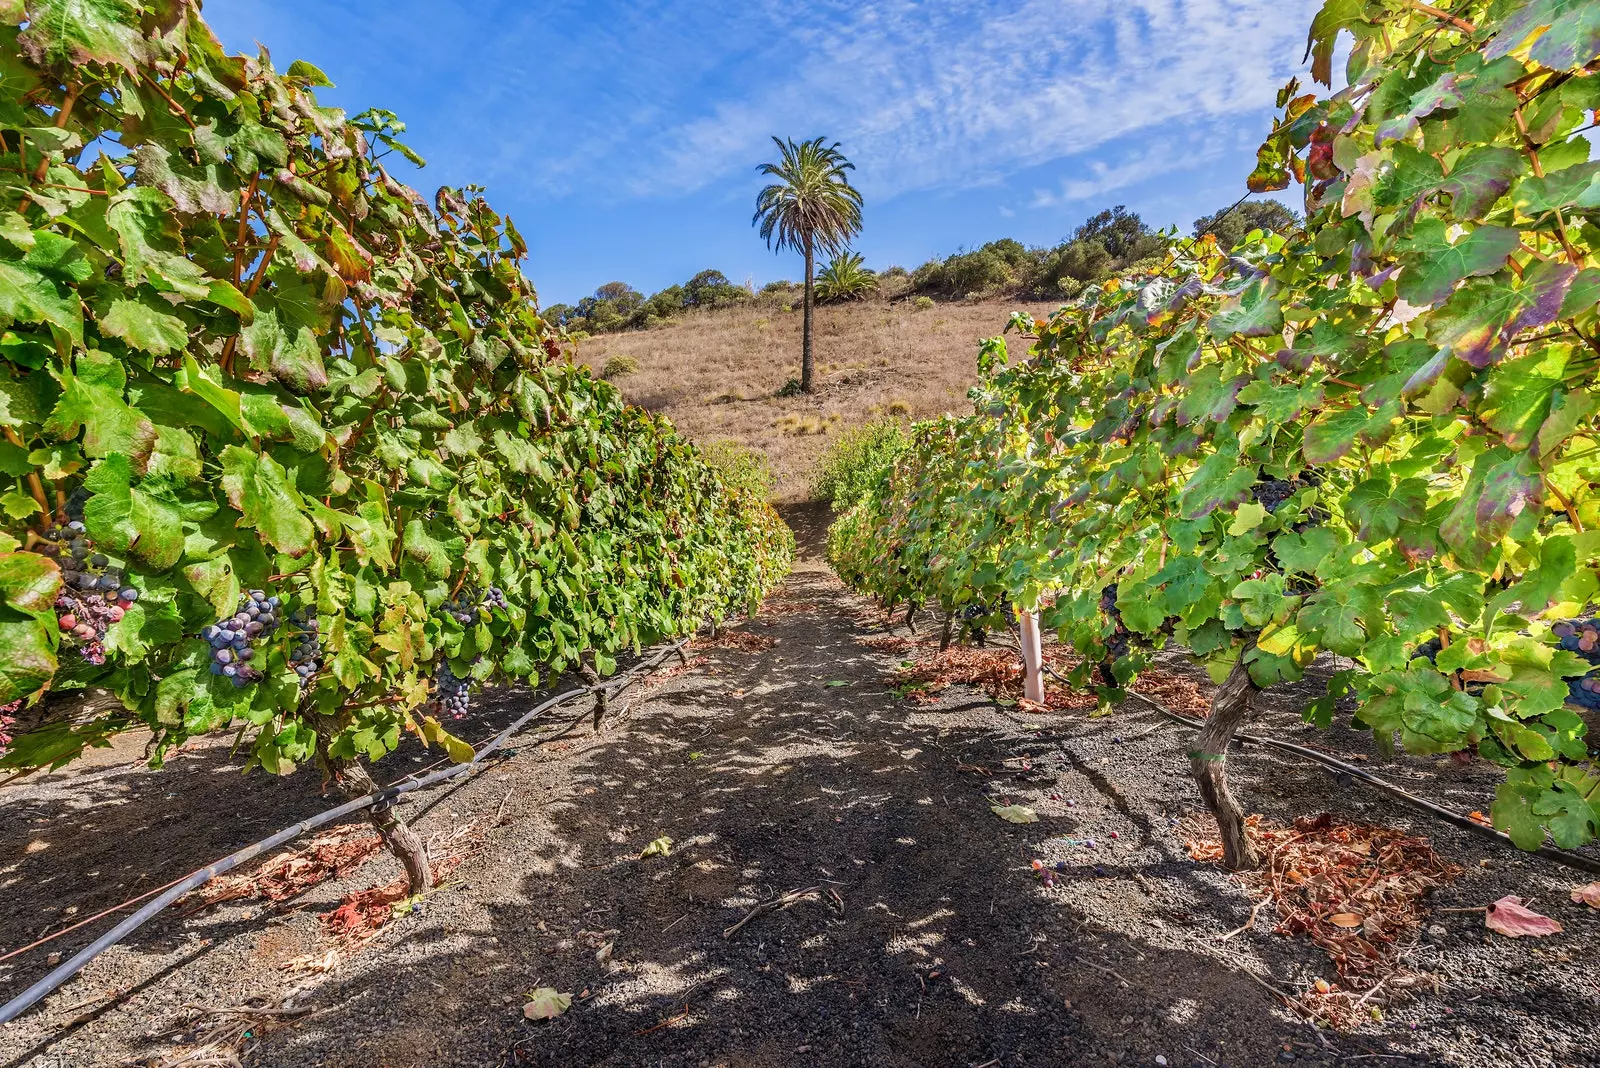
928 942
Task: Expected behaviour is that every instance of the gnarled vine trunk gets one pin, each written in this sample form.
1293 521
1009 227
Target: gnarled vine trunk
404 842
949 629
1208 762
353 781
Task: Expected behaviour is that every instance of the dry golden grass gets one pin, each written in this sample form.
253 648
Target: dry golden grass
716 374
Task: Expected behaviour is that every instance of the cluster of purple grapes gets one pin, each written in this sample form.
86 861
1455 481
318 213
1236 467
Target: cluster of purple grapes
451 692
306 655
463 609
232 640
1270 493
1582 636
94 594
466 607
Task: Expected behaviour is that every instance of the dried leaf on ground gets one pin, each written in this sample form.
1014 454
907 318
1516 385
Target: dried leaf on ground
1174 693
779 606
361 915
546 1003
331 855
656 679
658 847
1356 889
735 639
1587 895
1511 917
890 643
1015 813
998 672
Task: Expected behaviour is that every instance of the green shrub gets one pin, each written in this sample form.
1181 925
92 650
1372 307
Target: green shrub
922 303
790 388
619 366
857 462
844 278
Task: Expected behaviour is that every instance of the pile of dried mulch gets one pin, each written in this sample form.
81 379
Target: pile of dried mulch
1356 889
779 606
998 672
889 643
330 855
1173 692
361 915
735 639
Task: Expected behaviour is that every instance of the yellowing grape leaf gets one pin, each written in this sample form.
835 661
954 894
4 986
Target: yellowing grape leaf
546 1003
1015 813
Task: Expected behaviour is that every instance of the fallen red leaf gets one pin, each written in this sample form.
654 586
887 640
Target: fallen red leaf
1587 895
1509 917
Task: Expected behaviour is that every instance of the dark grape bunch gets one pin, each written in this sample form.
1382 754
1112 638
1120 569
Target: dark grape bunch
306 654
463 609
94 594
1121 639
451 693
1270 493
1582 636
232 640
466 607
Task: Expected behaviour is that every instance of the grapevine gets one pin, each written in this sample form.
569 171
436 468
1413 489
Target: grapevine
1348 438
242 355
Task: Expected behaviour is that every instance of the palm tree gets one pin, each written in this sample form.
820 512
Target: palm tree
810 207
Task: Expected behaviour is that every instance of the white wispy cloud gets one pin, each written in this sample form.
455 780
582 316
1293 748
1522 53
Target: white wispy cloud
961 93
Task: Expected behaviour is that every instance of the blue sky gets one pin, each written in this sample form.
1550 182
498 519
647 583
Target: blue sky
623 137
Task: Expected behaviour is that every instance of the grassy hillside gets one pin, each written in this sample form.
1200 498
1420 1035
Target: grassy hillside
716 374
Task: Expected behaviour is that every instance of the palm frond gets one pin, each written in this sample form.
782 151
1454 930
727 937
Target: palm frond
811 198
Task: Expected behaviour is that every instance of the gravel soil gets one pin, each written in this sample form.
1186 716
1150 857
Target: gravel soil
927 939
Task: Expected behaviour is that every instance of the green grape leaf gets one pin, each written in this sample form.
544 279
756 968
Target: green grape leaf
66 33
1333 617
145 325
1255 312
1570 187
1218 482
1334 434
29 581
126 518
1434 265
1481 177
29 296
1519 394
258 487
92 400
27 658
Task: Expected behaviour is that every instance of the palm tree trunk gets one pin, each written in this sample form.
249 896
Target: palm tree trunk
805 337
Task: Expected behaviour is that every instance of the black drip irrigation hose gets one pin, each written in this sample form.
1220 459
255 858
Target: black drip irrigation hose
31 996
1405 797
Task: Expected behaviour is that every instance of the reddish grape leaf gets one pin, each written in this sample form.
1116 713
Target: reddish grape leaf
1509 917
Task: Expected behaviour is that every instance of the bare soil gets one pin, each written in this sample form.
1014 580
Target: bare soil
928 939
